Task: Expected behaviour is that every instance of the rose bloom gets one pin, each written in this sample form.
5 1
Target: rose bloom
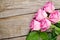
54 16
42 21
49 7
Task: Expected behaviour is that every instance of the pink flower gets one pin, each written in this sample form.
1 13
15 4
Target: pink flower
35 25
40 14
42 20
54 16
45 24
49 7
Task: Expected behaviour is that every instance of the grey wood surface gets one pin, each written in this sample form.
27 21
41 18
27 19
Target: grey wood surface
15 26
15 16
19 38
17 7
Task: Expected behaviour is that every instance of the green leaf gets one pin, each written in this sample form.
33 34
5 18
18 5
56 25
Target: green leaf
57 29
52 35
37 36
58 24
33 36
52 26
43 35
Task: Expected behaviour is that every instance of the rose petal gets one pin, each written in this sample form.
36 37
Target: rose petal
35 25
41 14
49 7
45 24
54 16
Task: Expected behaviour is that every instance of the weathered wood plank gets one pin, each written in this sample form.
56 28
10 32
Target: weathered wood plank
24 38
9 13
58 37
20 38
14 7
15 26
2 6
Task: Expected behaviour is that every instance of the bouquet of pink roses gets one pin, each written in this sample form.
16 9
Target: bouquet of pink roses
45 24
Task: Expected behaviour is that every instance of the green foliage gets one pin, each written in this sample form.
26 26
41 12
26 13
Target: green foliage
57 29
37 35
33 36
57 24
52 35
43 35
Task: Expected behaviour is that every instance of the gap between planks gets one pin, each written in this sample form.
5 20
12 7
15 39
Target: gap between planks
13 37
18 15
23 14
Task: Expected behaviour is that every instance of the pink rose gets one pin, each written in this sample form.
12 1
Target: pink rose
45 24
49 7
42 20
35 25
54 16
40 14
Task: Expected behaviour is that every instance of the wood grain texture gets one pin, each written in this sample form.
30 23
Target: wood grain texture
12 25
20 38
2 6
17 7
15 26
58 37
